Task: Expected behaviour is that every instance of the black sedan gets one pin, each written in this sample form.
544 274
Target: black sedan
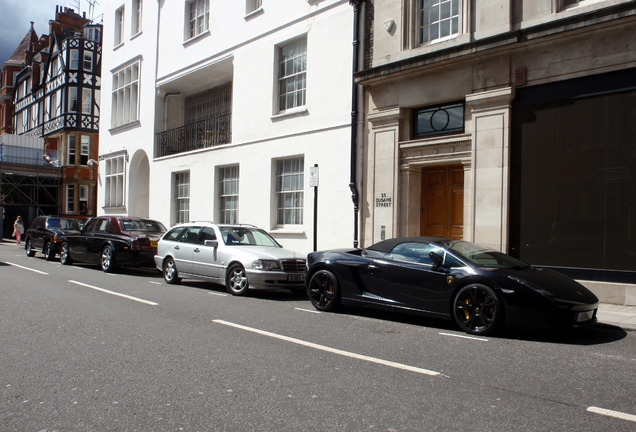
113 241
480 288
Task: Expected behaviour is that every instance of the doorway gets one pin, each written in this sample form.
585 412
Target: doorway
442 202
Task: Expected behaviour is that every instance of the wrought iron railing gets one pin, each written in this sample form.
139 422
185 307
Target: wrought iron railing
202 134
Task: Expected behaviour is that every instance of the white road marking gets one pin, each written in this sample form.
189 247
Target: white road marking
27 268
610 413
331 350
465 337
155 283
115 293
307 310
218 294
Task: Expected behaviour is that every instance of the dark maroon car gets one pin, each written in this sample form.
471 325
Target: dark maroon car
113 241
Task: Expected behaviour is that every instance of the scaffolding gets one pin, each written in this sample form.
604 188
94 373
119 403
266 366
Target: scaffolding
29 182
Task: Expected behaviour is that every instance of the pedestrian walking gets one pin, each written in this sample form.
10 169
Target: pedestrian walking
18 229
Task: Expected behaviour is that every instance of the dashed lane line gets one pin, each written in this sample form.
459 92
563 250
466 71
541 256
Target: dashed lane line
307 310
611 413
26 268
465 337
331 350
114 293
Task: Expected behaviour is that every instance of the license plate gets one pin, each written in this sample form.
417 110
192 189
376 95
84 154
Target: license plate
296 277
584 316
153 244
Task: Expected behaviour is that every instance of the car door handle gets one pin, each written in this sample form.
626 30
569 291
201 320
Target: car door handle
196 250
177 248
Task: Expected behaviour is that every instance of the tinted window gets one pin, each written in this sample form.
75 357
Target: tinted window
414 252
207 233
191 235
174 233
142 225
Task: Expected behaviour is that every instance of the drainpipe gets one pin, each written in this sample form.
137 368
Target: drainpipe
357 6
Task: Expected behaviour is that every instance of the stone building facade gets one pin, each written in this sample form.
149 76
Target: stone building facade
508 123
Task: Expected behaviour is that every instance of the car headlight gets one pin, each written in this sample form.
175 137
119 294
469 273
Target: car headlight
265 265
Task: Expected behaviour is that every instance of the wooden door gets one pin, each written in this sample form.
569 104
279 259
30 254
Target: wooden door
442 204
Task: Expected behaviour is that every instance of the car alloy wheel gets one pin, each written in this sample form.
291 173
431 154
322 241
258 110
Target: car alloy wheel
323 291
108 259
65 255
170 273
29 249
48 251
477 309
236 281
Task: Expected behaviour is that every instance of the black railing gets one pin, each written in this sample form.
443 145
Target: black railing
202 134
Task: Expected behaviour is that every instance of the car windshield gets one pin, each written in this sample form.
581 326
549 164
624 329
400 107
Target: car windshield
65 224
142 225
483 256
244 236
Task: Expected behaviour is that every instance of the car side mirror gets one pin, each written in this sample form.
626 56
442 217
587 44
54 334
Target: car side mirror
213 243
437 260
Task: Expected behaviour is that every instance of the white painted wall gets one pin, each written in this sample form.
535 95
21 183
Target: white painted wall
321 133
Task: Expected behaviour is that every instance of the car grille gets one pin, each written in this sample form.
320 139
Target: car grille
293 266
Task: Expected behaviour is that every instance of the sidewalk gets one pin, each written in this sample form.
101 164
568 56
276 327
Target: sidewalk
616 315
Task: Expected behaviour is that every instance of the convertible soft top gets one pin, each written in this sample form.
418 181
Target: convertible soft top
389 244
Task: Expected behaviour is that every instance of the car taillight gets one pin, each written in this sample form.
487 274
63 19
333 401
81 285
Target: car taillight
135 245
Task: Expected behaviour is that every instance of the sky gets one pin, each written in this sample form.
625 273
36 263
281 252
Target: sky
16 17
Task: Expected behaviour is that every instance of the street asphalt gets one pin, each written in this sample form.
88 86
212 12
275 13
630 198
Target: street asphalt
617 315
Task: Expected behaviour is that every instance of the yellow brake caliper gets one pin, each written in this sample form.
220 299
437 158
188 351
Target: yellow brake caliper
466 313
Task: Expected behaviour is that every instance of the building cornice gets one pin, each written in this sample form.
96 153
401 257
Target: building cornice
501 42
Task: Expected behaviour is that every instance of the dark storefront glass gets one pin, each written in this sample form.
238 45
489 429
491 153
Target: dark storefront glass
573 202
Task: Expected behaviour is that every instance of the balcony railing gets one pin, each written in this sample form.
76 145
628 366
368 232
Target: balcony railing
202 134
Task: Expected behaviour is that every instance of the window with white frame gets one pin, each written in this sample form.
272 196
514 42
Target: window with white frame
83 199
72 99
229 194
125 95
252 5
71 150
85 148
114 172
87 100
197 17
119 26
181 196
290 191
437 19
136 17
74 59
292 74
88 61
70 198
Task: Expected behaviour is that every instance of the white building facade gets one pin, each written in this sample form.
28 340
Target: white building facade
220 110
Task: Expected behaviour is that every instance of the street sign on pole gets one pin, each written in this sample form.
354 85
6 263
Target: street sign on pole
313 182
313 176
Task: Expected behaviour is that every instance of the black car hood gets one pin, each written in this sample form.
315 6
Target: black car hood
551 283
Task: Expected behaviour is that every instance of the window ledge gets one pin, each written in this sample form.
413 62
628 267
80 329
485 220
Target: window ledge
287 231
119 45
294 112
254 13
124 127
136 35
196 38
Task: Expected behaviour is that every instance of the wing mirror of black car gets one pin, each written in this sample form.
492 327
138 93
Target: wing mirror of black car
213 243
437 260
